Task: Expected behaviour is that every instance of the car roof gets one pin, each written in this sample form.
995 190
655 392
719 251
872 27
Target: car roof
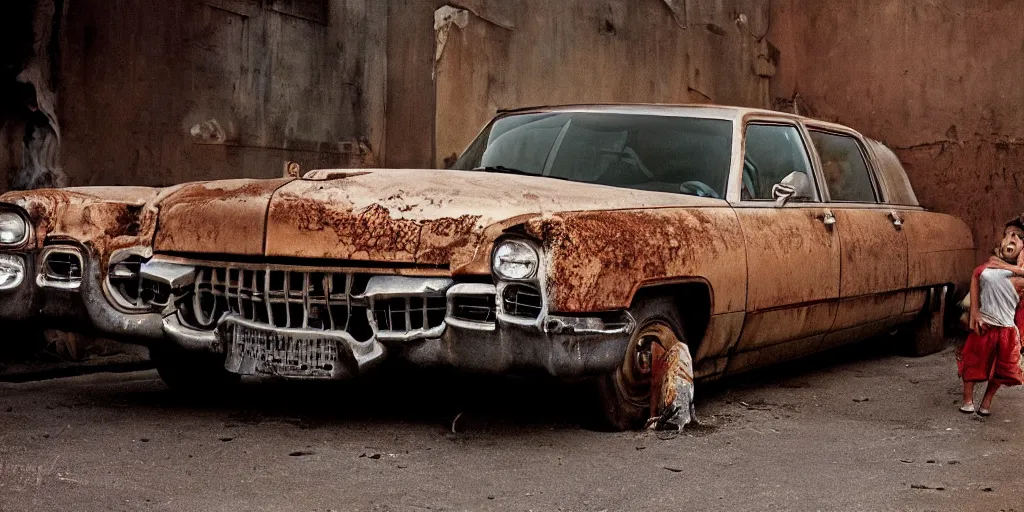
894 178
660 109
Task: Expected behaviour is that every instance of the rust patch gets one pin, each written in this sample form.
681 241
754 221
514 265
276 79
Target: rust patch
223 217
318 229
874 253
101 219
803 255
128 222
599 259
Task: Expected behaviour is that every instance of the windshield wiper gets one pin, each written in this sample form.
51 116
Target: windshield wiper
509 170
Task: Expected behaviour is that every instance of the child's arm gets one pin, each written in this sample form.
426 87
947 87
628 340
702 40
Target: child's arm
976 323
1018 269
1018 284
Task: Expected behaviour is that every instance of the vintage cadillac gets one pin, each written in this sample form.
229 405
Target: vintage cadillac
611 242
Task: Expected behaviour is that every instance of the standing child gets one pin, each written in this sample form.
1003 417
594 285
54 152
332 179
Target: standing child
992 351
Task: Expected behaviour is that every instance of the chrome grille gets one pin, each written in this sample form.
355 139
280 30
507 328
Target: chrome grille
522 301
325 301
293 300
474 308
408 313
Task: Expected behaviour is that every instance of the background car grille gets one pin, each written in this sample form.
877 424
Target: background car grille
63 266
522 301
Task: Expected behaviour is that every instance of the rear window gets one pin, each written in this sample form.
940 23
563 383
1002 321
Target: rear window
846 171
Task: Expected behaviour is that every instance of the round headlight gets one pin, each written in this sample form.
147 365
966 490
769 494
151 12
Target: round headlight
515 259
13 228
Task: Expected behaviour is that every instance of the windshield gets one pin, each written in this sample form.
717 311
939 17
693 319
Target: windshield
667 154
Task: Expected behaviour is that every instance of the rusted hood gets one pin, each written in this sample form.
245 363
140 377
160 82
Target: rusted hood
426 217
217 217
100 218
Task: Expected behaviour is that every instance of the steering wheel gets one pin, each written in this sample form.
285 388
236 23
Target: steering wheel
699 189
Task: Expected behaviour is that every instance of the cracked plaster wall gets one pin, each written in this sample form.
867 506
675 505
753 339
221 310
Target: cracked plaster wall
582 51
156 93
936 80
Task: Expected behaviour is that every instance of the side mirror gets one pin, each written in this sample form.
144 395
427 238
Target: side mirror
794 186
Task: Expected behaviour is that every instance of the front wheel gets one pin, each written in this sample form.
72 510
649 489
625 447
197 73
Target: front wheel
192 372
655 380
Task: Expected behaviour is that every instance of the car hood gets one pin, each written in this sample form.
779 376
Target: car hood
417 217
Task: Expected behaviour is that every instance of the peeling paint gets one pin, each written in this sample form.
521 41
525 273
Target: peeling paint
678 8
101 220
444 18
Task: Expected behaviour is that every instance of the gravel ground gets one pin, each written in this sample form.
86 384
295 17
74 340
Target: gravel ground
856 429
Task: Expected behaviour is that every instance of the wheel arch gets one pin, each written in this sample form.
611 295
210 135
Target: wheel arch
694 301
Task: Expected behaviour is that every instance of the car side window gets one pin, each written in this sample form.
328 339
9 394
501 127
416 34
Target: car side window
846 171
771 154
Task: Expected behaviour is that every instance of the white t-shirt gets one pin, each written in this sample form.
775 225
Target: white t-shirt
998 297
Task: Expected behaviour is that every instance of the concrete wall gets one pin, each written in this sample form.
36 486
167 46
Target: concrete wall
154 93
506 54
580 51
939 81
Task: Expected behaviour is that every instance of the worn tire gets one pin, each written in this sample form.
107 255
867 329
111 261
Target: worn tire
192 372
927 335
625 394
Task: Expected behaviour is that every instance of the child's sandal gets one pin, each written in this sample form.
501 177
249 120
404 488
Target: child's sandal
967 408
984 412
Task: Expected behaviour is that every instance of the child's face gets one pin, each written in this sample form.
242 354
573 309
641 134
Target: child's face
1012 244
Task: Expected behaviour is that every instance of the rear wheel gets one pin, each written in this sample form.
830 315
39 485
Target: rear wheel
192 372
626 394
927 335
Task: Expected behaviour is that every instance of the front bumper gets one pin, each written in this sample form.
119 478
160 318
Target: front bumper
561 346
84 308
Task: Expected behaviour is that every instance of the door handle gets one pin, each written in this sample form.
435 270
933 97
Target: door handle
896 219
829 219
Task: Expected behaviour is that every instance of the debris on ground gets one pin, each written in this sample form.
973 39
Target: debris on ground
455 423
756 406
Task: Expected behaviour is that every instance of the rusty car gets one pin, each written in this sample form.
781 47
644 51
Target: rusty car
586 242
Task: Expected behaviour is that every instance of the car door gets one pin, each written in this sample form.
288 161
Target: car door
793 249
872 288
940 248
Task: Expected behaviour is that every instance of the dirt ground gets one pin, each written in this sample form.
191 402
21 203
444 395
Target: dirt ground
857 429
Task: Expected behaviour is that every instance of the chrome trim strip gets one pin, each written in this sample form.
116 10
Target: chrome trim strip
415 334
586 325
174 275
188 338
383 287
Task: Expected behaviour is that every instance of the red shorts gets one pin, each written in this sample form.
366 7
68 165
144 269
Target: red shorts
994 355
